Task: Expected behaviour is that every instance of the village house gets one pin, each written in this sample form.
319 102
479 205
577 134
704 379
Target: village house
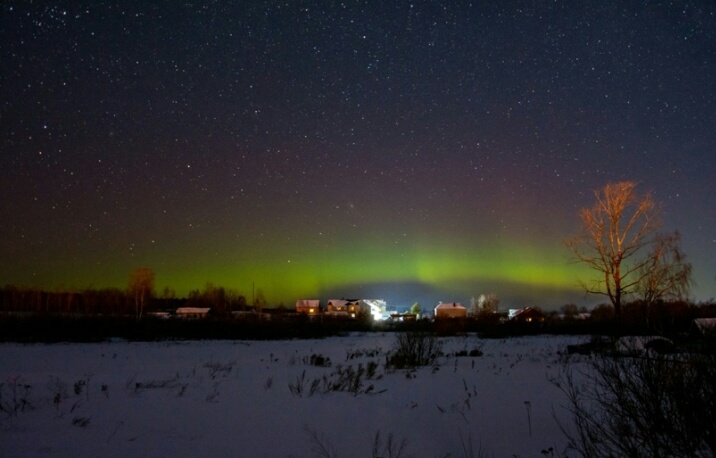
450 310
308 306
704 326
347 308
344 307
402 317
376 307
527 315
341 305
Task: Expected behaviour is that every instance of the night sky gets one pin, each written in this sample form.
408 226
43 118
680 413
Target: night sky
414 152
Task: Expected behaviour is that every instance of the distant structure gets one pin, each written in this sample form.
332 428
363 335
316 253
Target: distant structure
704 326
308 306
192 312
527 315
343 308
377 308
346 308
450 310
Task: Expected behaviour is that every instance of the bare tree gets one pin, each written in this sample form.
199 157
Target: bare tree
141 288
168 293
666 275
485 305
216 298
615 234
489 303
259 301
474 304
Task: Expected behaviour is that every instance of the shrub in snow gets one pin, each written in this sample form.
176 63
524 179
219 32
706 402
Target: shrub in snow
319 360
343 379
15 397
414 349
644 405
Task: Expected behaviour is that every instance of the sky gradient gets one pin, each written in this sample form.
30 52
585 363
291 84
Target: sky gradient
410 151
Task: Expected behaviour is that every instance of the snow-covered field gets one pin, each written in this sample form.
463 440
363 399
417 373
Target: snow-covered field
239 399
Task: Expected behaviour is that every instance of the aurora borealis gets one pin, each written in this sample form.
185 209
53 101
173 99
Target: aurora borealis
415 152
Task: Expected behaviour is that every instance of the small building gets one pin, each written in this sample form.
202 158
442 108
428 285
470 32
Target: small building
337 305
450 310
527 315
704 326
402 317
376 307
350 307
308 306
192 312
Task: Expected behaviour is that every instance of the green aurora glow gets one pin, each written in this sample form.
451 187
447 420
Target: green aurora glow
311 264
285 274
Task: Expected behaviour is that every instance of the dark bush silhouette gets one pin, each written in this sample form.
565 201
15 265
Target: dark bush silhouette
414 349
645 405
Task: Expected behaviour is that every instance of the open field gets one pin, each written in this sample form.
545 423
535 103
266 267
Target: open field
241 398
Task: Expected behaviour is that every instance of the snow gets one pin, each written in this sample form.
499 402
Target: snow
232 398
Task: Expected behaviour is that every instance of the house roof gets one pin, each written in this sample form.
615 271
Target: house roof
527 311
449 305
343 302
705 324
314 303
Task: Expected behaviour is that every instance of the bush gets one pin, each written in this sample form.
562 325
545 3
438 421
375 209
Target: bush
343 379
320 360
643 406
475 352
414 349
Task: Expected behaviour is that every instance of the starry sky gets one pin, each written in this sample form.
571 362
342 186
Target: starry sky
411 151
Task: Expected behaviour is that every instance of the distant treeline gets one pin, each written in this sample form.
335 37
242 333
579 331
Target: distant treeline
113 301
661 317
35 315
